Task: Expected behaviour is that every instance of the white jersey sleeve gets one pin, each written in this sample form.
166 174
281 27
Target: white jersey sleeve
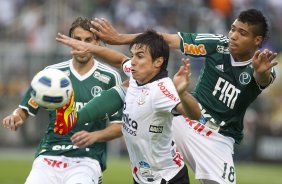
166 95
126 67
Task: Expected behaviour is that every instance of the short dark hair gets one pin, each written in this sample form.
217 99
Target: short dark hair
256 18
82 22
156 45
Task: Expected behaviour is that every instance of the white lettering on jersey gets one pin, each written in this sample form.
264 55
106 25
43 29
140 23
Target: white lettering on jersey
221 49
79 105
66 147
101 77
229 92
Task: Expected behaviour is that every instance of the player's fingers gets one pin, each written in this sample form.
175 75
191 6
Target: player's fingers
101 23
262 56
256 55
106 22
97 24
11 123
5 122
272 64
78 52
271 57
77 136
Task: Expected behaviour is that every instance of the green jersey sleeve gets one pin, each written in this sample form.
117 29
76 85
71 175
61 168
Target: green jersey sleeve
199 45
29 104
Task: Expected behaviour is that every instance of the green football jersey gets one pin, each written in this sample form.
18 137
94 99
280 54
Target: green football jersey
225 88
86 87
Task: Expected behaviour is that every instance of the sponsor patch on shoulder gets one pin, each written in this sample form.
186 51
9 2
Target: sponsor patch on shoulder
32 103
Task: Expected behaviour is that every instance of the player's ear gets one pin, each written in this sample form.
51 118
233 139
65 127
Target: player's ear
258 41
158 62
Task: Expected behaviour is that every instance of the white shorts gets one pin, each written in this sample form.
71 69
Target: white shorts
207 152
64 170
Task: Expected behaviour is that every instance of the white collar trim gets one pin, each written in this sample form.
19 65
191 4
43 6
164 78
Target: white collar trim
86 75
241 63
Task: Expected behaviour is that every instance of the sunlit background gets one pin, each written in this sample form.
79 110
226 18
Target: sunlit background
28 30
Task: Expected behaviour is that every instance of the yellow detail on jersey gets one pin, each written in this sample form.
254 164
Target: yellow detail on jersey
195 49
32 103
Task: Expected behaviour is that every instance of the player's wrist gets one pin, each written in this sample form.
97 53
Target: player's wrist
18 115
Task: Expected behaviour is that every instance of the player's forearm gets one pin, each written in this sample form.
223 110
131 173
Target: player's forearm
110 56
124 39
98 108
109 133
173 40
263 79
189 106
22 113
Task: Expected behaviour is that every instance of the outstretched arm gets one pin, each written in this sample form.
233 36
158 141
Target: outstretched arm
110 56
189 105
262 64
83 139
106 32
16 119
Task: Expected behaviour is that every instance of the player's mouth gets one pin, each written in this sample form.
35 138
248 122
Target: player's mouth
233 45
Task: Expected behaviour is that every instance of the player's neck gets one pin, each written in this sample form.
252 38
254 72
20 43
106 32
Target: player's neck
242 58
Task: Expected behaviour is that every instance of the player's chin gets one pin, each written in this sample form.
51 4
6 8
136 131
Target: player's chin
233 50
82 59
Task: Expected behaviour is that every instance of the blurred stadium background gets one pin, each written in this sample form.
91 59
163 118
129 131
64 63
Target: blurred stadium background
27 44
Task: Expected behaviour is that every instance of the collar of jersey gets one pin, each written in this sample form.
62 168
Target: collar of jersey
86 75
160 75
240 63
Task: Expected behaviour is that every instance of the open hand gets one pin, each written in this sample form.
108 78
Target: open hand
262 61
181 79
105 31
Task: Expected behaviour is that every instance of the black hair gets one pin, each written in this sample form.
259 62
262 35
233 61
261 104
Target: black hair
156 45
256 18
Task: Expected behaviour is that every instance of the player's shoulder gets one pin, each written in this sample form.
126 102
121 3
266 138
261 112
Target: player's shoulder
60 66
165 89
106 68
211 38
164 85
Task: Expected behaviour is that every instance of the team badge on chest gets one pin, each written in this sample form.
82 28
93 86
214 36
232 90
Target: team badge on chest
142 96
245 78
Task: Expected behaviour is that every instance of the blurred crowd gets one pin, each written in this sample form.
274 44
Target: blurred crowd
28 29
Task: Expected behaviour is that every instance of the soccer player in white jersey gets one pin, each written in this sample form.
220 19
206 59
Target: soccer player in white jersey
150 104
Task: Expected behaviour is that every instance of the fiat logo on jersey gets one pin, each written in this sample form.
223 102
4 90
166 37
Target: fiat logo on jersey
245 78
96 90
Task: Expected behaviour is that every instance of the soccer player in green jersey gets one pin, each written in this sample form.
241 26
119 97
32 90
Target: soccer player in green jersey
235 72
57 160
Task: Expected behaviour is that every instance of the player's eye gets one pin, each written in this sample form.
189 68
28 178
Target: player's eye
88 40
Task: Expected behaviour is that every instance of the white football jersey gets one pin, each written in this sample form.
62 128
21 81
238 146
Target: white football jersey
147 118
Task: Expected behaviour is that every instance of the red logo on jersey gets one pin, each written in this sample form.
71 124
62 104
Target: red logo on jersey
195 49
127 69
198 127
55 163
166 92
